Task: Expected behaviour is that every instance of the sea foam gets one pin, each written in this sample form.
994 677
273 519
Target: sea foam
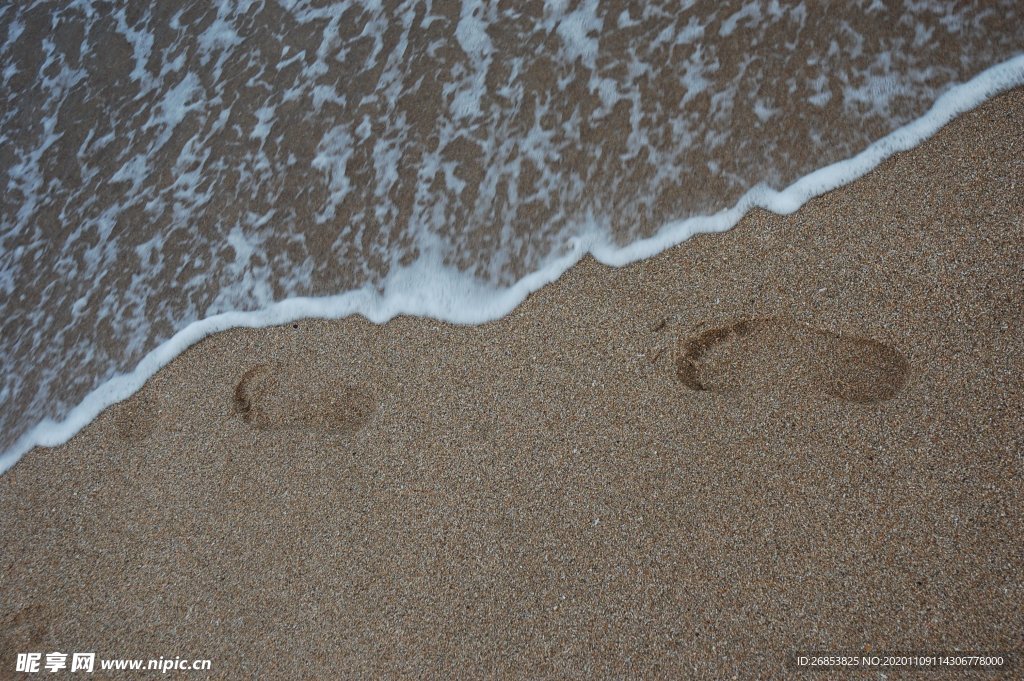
171 173
428 288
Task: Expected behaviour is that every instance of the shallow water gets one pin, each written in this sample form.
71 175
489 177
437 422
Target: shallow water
165 164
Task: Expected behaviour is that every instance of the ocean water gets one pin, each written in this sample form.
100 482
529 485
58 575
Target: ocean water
171 169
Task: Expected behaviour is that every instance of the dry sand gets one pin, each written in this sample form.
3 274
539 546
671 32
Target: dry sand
803 434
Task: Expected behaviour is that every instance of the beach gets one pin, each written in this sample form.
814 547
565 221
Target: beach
802 434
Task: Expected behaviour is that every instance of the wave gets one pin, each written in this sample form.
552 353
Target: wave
174 172
430 289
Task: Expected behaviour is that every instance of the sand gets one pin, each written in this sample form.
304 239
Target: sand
802 434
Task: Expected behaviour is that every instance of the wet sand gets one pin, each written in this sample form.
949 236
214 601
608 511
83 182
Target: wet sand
802 434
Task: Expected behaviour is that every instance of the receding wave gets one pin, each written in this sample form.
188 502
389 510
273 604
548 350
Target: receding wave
168 167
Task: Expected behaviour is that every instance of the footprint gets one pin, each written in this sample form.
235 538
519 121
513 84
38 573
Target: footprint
861 369
277 397
791 355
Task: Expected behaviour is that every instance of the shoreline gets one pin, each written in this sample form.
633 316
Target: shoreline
990 83
799 434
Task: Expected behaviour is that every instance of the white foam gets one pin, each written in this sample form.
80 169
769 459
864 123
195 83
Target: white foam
142 45
264 122
579 30
471 33
751 11
331 159
428 288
